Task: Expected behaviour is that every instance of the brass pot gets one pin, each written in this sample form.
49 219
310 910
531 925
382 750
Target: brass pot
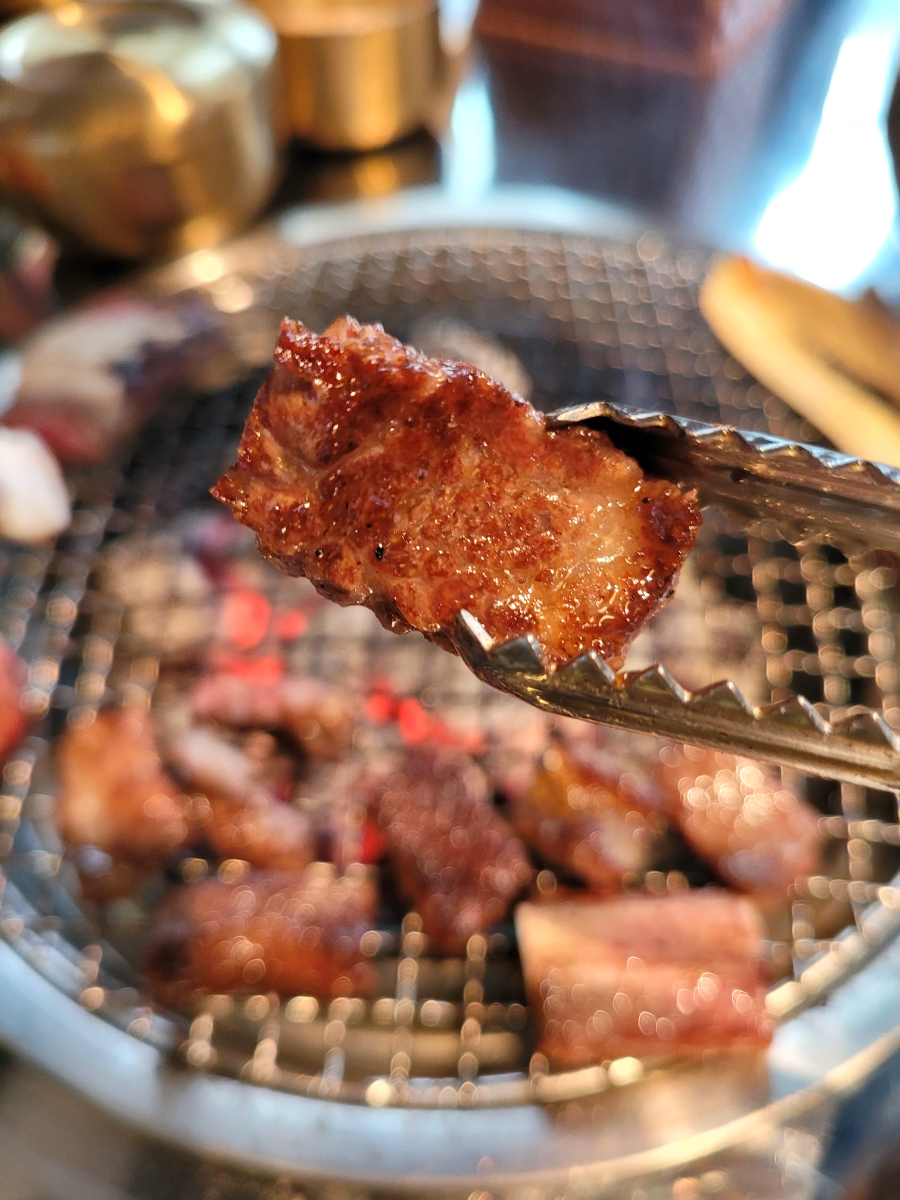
358 74
138 128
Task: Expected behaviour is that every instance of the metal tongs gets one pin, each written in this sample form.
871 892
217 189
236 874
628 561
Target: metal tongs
806 492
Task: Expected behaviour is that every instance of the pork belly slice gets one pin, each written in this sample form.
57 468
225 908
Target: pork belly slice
420 487
317 719
238 813
114 794
738 815
641 976
285 932
457 861
582 814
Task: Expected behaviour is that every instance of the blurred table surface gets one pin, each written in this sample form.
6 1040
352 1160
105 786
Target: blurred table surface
783 155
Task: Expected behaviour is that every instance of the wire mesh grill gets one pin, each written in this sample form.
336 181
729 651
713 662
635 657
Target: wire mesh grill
586 318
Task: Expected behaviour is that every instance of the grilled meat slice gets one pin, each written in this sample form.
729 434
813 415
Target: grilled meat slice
317 719
582 814
755 832
644 976
456 859
420 487
284 932
240 816
114 794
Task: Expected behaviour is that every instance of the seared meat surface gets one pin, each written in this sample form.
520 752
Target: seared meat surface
456 859
284 932
642 976
420 487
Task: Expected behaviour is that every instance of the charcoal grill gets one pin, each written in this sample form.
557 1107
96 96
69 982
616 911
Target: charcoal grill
432 1088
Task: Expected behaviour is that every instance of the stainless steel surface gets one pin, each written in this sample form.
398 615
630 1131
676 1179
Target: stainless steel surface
804 493
585 316
139 129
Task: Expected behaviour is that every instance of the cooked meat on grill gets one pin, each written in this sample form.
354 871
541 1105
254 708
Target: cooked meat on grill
91 377
456 859
644 976
738 815
314 716
13 719
420 487
114 794
103 878
285 932
238 811
583 814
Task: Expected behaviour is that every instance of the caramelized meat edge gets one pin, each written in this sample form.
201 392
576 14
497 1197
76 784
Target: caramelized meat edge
420 487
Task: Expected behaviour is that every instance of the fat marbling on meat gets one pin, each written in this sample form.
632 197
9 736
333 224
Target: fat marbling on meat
644 976
420 487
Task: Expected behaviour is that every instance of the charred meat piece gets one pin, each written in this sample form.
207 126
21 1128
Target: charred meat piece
13 719
241 817
90 378
644 976
318 719
114 794
456 859
284 932
756 833
587 817
420 487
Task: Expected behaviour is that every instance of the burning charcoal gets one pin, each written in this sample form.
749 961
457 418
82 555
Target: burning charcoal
114 794
240 815
582 814
285 932
318 719
739 816
456 859
644 976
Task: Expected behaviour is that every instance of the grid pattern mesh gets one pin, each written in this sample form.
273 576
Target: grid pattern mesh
587 319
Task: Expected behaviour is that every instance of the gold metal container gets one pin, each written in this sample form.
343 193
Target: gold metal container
357 74
138 128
